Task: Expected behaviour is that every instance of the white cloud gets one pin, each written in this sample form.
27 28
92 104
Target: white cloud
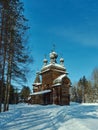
84 38
79 36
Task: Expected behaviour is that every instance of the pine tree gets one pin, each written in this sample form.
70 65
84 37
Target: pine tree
25 92
95 84
3 45
12 40
84 90
74 96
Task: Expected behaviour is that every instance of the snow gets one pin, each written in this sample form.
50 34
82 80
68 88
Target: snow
62 71
41 92
54 64
59 79
58 84
50 117
58 65
29 98
37 84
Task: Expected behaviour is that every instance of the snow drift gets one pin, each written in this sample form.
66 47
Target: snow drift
50 117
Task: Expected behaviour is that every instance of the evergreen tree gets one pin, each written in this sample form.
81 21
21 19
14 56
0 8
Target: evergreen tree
12 43
3 45
74 95
25 92
84 90
95 84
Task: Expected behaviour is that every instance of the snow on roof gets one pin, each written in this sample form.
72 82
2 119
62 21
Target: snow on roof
58 84
59 79
58 65
45 71
37 84
54 64
62 71
29 98
41 92
35 87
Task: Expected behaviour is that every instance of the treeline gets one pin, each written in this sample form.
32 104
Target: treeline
16 95
86 90
13 94
13 56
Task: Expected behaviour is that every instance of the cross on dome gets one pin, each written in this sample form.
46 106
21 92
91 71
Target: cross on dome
45 61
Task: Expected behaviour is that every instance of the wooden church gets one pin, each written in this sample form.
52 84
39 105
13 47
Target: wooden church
51 85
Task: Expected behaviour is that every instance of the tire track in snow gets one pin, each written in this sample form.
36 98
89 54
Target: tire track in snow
6 118
39 117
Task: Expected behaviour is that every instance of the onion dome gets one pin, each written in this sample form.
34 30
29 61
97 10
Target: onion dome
62 61
45 61
53 57
55 54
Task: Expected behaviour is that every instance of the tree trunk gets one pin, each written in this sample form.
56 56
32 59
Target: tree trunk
3 55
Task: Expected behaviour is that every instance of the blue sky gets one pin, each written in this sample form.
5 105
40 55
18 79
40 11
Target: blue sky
72 25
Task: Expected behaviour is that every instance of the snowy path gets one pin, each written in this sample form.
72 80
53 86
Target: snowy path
36 119
51 117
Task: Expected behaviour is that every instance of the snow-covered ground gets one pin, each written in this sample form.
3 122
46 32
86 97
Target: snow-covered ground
50 117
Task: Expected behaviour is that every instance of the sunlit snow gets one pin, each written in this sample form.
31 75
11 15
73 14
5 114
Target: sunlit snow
50 117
